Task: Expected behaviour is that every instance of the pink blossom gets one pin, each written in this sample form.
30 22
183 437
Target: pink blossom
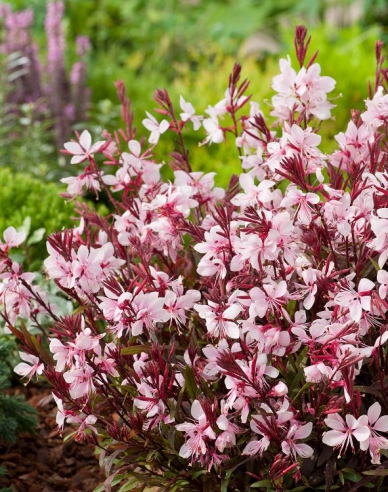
303 202
296 432
178 305
80 380
270 297
252 194
377 109
76 184
356 302
12 238
197 433
375 442
213 130
58 268
259 425
354 145
84 149
227 438
31 366
218 319
149 311
86 269
189 113
382 278
155 128
342 434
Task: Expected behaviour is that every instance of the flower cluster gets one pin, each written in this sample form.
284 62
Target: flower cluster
225 336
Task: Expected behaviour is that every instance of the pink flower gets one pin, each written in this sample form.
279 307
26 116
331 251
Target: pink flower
34 366
382 278
253 195
303 202
259 425
358 301
155 127
58 268
296 432
228 436
62 354
12 238
219 319
86 268
80 380
271 296
177 305
342 434
377 109
213 130
149 311
197 433
84 149
76 184
375 442
189 113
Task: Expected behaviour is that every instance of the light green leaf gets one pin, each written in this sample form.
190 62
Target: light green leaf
36 236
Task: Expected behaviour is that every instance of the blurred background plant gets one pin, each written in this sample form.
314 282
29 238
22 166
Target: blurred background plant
35 205
56 55
40 100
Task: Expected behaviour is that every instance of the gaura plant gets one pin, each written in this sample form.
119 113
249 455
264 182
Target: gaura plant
232 339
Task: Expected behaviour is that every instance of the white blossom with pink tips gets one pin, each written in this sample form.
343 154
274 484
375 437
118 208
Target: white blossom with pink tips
189 113
155 127
213 130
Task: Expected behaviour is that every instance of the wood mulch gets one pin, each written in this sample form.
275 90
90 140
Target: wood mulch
43 462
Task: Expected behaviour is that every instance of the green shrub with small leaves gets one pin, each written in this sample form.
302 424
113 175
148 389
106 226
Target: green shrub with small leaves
23 196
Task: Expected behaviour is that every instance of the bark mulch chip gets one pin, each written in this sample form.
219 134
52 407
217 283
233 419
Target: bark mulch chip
43 462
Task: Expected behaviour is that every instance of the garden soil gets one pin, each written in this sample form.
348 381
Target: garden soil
43 462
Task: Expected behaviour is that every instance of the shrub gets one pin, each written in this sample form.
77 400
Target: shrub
224 339
22 196
16 415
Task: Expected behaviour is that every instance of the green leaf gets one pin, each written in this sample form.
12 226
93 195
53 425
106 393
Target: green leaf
323 487
351 475
369 390
100 488
36 236
26 226
190 383
302 390
224 485
136 349
375 264
378 472
261 483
